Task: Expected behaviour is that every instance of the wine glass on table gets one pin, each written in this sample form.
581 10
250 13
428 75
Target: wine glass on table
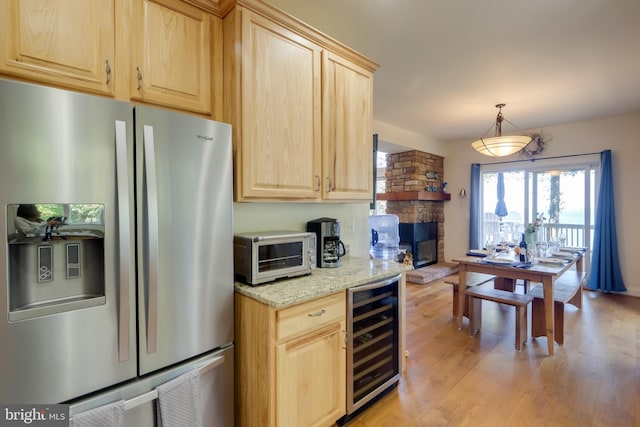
562 238
490 246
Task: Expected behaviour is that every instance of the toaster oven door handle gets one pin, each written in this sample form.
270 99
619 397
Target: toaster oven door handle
280 236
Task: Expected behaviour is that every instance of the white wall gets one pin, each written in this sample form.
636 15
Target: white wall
621 134
411 141
294 216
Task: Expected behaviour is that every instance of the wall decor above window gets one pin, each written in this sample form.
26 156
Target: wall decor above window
536 146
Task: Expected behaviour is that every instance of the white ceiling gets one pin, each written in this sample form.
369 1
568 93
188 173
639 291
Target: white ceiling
444 64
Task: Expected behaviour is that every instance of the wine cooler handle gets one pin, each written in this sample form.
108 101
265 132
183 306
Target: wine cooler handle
124 248
152 232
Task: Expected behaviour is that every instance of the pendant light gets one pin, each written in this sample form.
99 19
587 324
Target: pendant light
499 145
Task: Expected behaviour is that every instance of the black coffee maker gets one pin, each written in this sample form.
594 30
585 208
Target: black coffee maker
329 246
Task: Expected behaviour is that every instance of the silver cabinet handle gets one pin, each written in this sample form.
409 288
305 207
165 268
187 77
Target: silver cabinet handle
317 313
108 71
152 232
328 184
139 78
124 250
318 182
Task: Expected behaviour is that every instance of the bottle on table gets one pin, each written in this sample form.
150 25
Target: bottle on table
523 250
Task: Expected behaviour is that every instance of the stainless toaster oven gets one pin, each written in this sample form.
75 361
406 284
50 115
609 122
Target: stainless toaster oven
265 256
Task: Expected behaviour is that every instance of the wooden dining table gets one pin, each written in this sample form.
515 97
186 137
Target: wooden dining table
538 272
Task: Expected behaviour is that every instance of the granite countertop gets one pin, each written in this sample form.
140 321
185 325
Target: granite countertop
323 281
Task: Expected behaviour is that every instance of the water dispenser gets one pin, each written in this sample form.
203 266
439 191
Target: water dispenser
385 240
55 258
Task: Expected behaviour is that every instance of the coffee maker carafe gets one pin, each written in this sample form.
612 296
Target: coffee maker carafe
329 246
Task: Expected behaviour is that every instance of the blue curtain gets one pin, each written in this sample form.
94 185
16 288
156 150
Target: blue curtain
474 201
501 207
605 272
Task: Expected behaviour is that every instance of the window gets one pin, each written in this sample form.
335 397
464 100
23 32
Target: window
86 213
563 194
381 182
26 221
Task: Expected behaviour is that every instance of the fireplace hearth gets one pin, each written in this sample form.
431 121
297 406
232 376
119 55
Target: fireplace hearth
421 240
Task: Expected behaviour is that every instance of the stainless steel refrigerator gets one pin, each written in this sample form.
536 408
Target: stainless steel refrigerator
123 279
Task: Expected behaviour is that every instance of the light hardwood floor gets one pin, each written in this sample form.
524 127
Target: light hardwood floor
453 379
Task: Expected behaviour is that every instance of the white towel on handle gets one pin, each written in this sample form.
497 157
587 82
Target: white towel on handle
110 415
179 401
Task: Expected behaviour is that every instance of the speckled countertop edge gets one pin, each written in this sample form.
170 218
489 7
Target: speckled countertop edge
322 282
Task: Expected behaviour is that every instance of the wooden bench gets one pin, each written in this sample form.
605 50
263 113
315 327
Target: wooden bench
473 279
519 301
567 289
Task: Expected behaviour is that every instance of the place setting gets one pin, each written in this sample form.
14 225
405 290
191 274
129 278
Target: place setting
552 261
501 254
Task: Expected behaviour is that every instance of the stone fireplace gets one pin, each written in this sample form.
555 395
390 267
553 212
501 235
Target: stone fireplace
414 194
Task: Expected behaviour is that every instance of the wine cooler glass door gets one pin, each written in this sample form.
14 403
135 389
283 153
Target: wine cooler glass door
373 354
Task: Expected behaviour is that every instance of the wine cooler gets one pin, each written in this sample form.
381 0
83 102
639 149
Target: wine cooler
373 350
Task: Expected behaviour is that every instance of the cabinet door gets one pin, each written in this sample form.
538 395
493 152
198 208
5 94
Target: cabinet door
171 54
310 378
347 114
63 42
278 153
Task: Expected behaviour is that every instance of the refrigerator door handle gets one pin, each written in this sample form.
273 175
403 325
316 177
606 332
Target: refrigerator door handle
211 364
152 233
122 183
153 394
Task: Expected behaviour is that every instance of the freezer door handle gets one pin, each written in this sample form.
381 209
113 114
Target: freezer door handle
152 233
153 394
122 183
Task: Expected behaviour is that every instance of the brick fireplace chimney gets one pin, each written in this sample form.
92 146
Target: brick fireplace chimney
414 190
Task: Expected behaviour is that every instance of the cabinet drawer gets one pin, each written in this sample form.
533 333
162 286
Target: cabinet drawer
304 317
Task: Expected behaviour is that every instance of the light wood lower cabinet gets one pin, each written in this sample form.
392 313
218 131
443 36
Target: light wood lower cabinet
290 363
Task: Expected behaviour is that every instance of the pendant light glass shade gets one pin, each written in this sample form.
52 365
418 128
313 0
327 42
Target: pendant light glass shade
498 145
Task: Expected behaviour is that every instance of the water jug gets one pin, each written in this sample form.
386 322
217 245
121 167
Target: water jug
385 240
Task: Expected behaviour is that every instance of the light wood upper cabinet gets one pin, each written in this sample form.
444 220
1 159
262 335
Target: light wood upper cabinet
291 363
347 114
301 108
273 78
68 43
172 47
